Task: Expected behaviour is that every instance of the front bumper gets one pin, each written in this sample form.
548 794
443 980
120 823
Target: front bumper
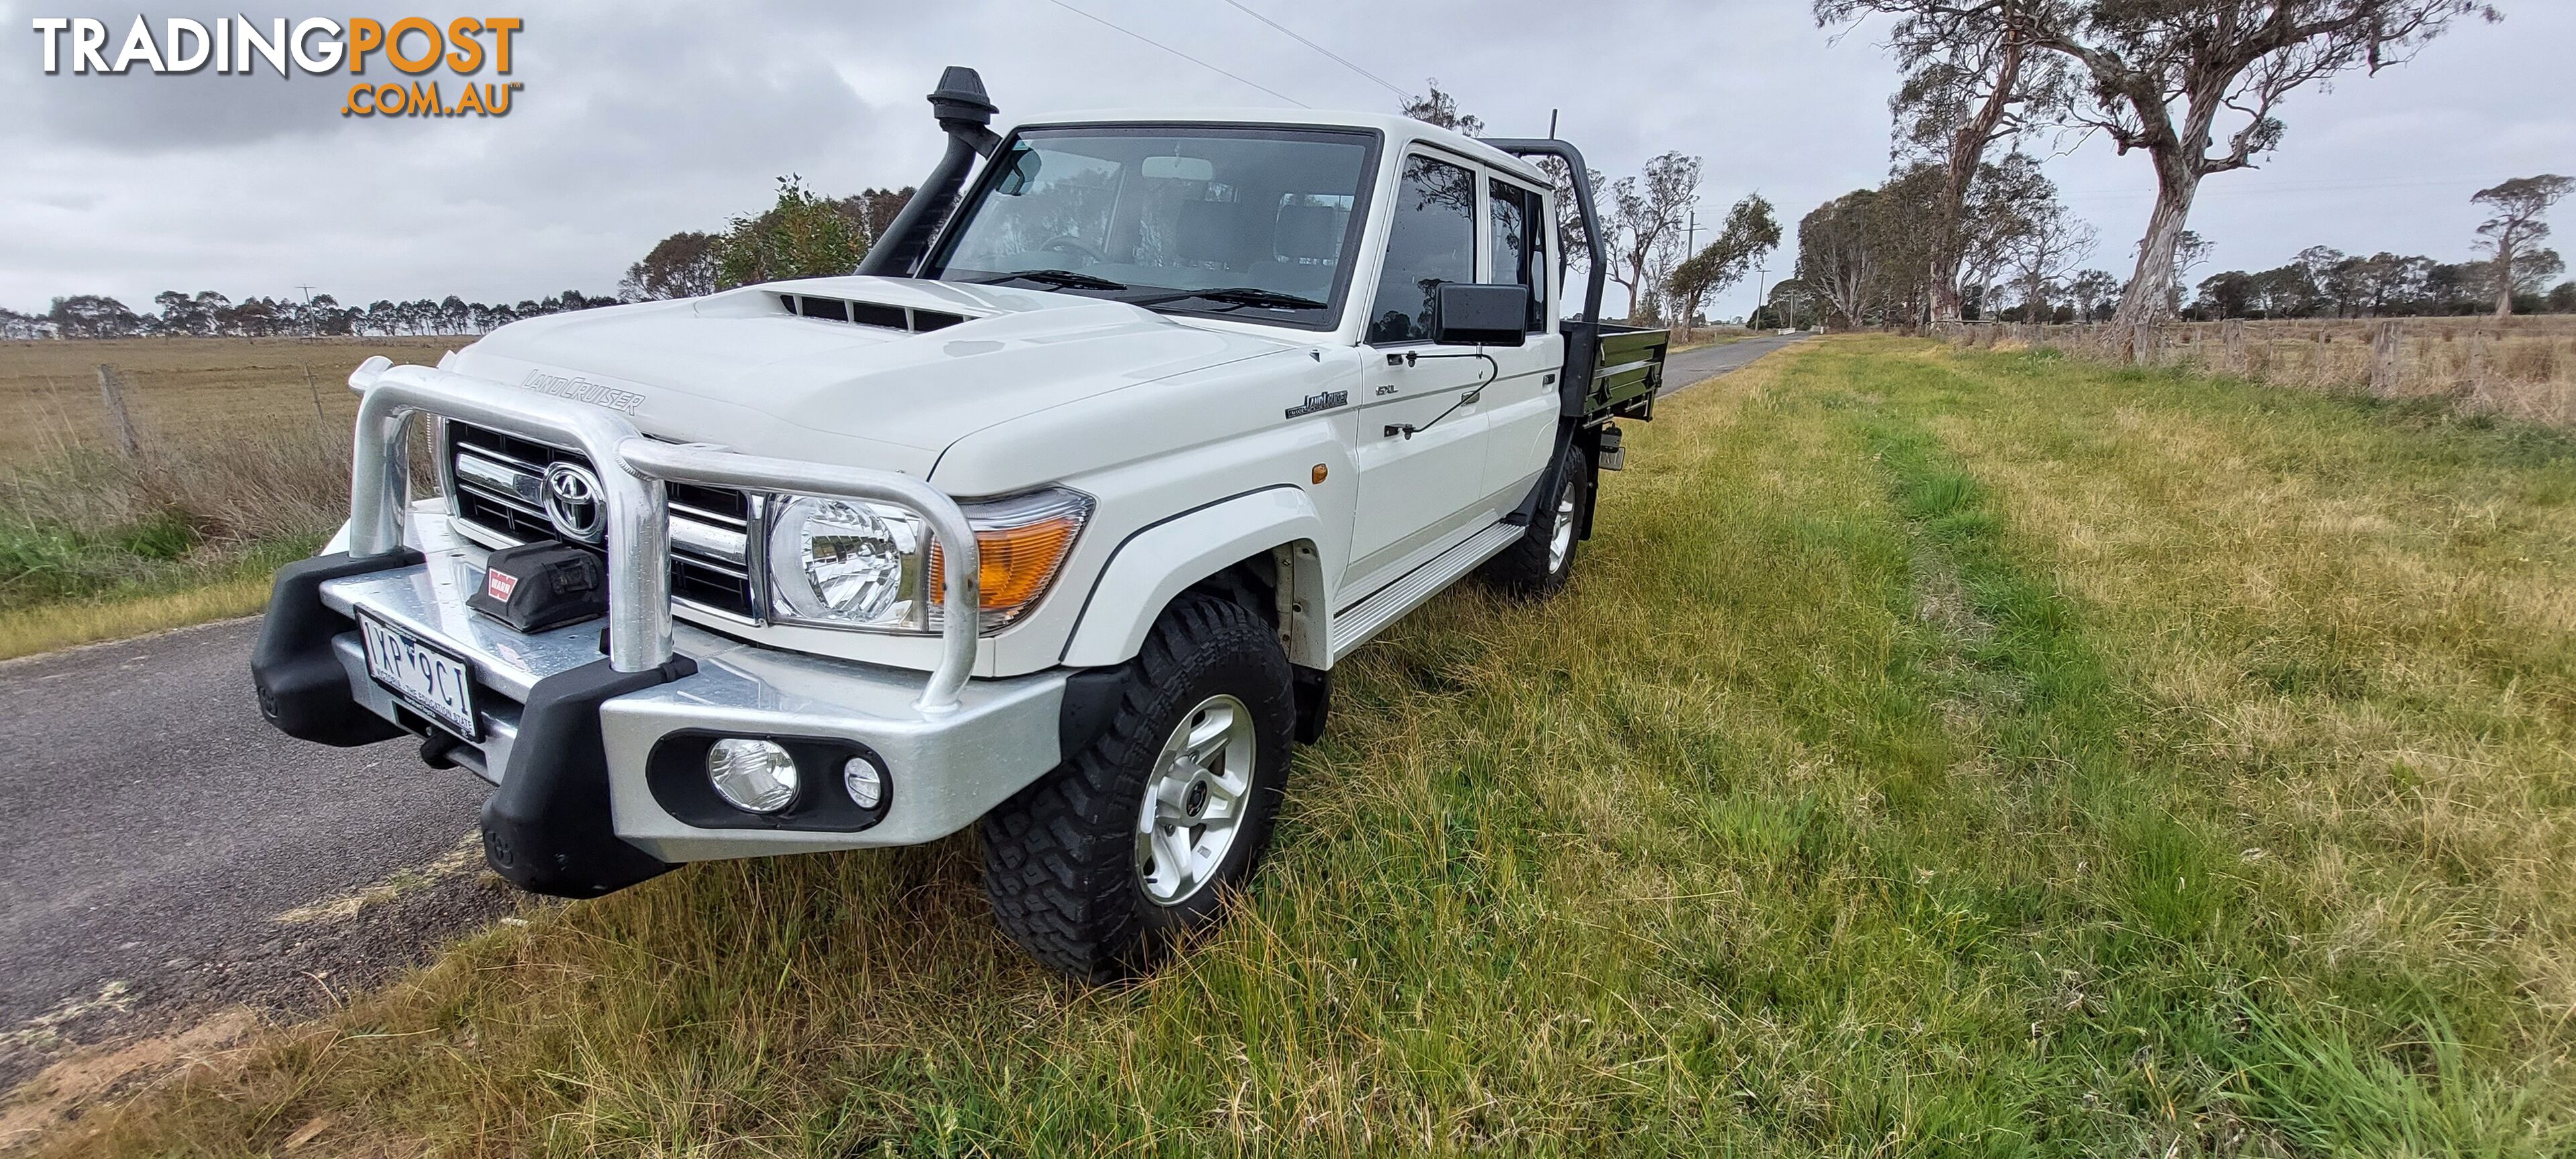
570 743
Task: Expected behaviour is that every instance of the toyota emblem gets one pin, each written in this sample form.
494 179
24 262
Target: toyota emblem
575 503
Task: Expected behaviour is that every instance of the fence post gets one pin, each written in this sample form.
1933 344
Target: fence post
2383 360
120 424
2146 345
2232 332
2317 376
2476 385
316 390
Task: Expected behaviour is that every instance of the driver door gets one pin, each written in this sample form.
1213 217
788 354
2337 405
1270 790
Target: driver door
1420 442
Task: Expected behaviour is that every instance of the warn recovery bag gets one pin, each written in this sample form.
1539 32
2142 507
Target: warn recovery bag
536 586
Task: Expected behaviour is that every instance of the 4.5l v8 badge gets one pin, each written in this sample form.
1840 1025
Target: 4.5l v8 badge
1325 401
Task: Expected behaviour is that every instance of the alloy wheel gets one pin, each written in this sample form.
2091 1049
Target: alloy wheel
1195 801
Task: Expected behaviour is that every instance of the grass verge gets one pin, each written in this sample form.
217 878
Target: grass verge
96 547
1937 752
48 626
238 462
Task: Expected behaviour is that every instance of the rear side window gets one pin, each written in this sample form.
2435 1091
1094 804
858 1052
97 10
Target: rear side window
1520 249
1432 241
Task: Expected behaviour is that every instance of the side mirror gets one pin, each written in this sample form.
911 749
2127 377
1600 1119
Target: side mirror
1486 313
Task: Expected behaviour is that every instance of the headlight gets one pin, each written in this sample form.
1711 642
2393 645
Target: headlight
845 563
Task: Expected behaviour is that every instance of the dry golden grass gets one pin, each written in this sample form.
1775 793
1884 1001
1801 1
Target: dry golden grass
186 391
2521 368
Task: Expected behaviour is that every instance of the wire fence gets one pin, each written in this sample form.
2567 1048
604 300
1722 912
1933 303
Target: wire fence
2521 368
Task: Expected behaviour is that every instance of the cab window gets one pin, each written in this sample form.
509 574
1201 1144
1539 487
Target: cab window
1432 241
1519 229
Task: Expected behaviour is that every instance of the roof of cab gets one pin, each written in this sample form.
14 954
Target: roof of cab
1399 131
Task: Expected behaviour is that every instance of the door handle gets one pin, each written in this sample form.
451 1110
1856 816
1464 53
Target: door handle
1408 430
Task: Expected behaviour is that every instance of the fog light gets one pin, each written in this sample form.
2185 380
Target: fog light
865 782
752 775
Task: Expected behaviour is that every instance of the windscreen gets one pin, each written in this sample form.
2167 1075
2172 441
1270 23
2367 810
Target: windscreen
1248 223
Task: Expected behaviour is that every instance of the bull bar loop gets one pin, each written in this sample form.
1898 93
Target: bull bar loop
631 469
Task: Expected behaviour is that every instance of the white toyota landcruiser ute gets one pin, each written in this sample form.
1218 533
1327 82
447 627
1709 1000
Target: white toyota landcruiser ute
1056 514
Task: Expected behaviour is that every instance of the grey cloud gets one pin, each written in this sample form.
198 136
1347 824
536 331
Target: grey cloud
639 120
138 110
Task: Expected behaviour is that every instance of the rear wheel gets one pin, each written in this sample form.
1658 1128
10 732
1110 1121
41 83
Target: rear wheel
1538 565
1103 863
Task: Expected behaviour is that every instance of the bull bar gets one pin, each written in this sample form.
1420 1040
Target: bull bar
632 469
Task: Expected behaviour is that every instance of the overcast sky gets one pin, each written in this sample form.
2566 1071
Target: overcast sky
642 119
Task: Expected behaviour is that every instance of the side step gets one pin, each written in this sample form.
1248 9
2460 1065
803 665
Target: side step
1362 621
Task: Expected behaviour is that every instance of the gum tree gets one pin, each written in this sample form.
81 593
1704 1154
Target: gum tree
1973 78
802 236
2195 86
1750 232
1642 210
682 265
1440 108
2512 237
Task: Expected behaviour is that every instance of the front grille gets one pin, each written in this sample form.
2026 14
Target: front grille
495 489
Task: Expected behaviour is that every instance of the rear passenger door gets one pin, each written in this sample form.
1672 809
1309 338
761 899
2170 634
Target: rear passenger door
1420 445
1521 407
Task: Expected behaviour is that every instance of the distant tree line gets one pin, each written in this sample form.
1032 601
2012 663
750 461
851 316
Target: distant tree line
1884 257
2192 87
1867 259
209 314
802 235
2322 282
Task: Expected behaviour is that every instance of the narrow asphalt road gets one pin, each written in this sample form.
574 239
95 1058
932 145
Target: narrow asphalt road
1691 367
153 828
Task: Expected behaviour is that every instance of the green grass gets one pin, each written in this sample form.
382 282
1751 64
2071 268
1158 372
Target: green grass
108 570
95 546
1937 753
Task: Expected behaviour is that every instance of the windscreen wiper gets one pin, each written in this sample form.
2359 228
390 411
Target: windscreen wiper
1064 279
1235 296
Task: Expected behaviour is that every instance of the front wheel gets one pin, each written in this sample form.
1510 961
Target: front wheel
1538 564
1103 863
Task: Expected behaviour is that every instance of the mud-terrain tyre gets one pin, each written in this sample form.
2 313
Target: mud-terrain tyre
1537 565
1075 877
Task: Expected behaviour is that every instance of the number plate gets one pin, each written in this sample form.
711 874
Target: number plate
435 682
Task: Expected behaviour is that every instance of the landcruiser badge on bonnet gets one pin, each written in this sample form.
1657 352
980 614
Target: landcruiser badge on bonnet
583 390
1325 401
